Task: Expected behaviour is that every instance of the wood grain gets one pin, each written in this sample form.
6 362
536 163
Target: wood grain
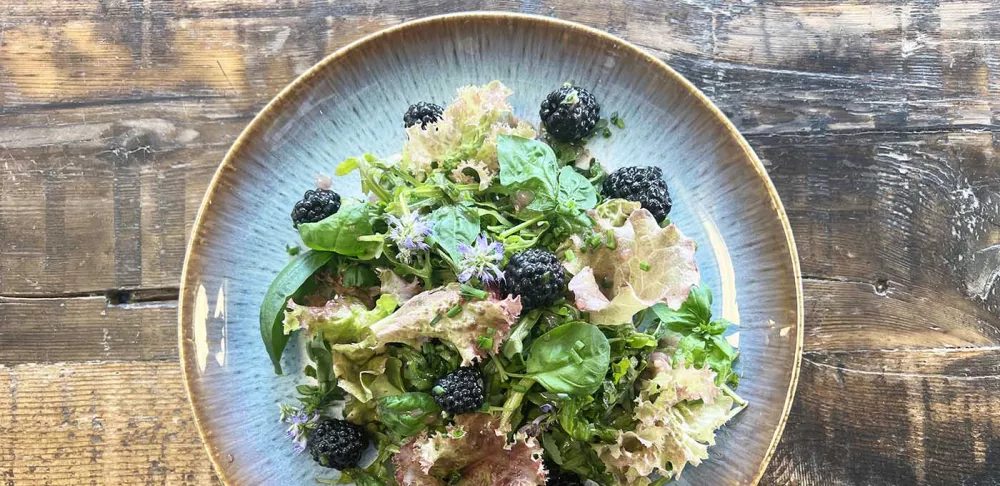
886 418
99 423
50 330
877 120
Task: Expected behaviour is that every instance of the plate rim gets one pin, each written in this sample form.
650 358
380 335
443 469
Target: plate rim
304 80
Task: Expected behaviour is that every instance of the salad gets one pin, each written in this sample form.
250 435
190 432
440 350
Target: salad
499 310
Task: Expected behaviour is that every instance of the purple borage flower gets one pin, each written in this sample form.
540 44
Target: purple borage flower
300 424
481 261
408 233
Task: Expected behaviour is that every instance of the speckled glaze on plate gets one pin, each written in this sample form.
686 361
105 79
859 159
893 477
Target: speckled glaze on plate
353 101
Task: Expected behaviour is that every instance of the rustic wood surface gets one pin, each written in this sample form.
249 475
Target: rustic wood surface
878 123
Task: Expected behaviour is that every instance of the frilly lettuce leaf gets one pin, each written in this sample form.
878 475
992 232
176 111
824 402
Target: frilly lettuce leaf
677 413
467 131
342 320
367 379
396 286
648 264
475 331
475 447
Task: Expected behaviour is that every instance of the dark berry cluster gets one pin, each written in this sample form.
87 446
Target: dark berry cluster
460 391
643 185
337 443
536 276
315 206
422 113
570 113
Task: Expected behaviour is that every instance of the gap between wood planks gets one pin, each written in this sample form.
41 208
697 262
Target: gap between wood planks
114 297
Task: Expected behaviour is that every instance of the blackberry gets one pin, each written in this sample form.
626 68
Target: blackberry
460 391
643 185
422 113
315 206
558 477
337 444
535 275
570 113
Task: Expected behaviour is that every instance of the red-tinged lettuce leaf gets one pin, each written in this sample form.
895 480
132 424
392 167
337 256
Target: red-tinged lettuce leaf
677 412
475 447
396 286
648 264
476 331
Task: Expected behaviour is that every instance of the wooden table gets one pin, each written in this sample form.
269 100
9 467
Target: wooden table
878 124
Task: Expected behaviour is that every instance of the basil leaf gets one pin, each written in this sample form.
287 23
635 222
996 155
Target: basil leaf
572 358
576 194
285 285
360 275
529 165
452 226
339 233
409 413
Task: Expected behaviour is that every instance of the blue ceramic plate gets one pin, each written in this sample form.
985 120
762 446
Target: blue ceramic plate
352 102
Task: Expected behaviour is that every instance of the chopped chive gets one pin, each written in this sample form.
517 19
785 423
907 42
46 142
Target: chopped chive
617 120
644 266
474 292
570 256
435 320
606 133
609 239
454 311
292 250
579 345
484 342
437 390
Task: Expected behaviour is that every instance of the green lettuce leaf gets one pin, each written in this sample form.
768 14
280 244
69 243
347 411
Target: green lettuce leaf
290 282
342 320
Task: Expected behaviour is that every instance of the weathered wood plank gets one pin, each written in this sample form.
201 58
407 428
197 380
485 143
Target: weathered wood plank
49 330
105 202
920 211
100 423
834 66
931 421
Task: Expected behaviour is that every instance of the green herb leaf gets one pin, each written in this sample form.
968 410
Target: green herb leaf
529 165
576 194
409 413
285 285
452 226
360 275
555 362
339 233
